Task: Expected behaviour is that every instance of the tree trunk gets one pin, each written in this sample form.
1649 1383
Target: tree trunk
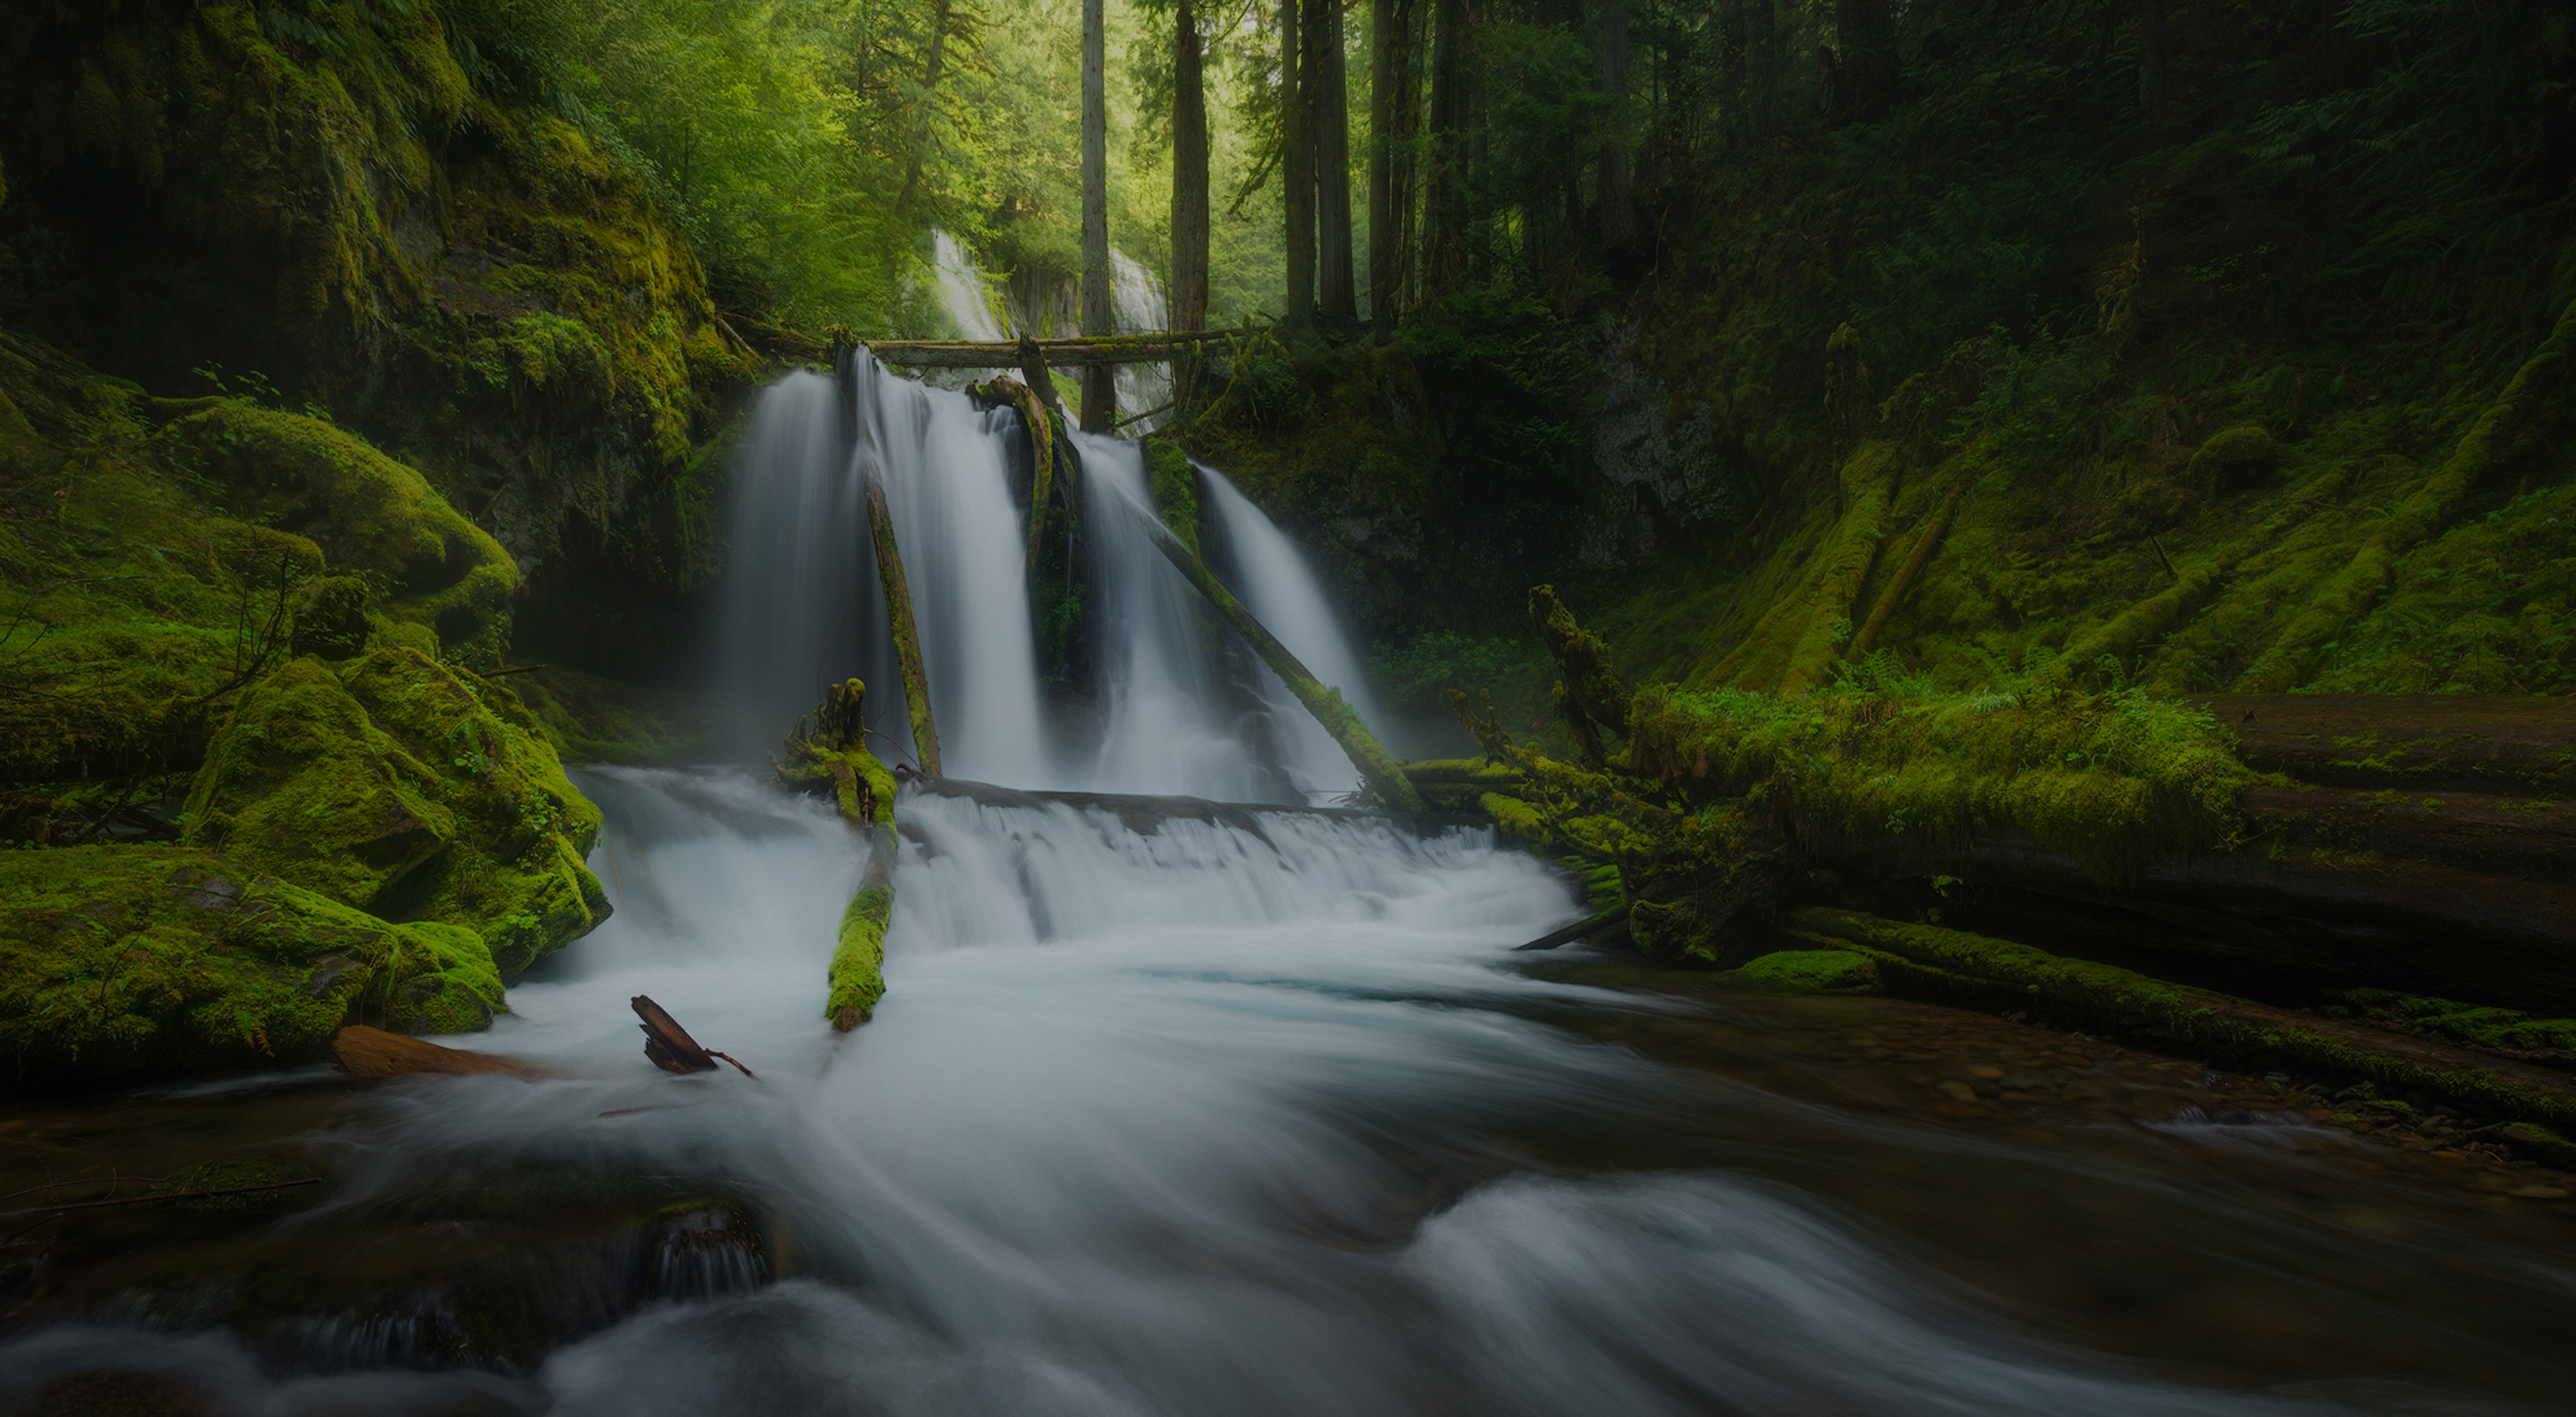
1865 70
1189 174
1618 203
1189 194
1762 57
1406 161
1099 384
1444 222
1385 264
2151 57
1296 171
1329 107
907 638
929 90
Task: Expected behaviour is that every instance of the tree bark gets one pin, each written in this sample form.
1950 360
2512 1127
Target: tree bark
1189 192
1866 67
364 1052
1762 57
1444 223
1618 203
1099 385
2151 57
1296 171
1385 272
907 639
1329 107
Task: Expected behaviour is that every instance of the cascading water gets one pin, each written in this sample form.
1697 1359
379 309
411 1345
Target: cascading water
1137 303
1188 1114
1271 576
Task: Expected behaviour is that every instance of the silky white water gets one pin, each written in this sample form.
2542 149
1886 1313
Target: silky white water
1194 1119
1142 1125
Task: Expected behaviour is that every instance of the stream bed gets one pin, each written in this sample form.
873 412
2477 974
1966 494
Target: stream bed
1213 1120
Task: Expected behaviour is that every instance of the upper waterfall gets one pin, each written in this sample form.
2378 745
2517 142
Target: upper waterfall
1153 695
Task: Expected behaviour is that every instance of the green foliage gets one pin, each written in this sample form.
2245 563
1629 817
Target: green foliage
1846 971
2476 1025
1417 675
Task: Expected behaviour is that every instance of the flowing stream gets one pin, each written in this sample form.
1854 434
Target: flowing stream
1255 1115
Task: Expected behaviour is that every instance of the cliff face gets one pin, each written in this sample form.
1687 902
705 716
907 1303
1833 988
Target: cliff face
370 210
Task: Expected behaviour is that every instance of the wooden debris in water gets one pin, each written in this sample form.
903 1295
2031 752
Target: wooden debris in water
365 1052
670 1046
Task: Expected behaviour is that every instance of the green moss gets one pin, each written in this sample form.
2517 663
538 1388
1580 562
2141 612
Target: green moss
368 513
2116 780
403 787
2475 1025
1175 485
2132 999
1839 970
857 975
2232 459
123 961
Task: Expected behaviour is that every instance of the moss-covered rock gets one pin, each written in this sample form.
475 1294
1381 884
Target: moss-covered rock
403 787
124 961
369 514
1845 971
594 720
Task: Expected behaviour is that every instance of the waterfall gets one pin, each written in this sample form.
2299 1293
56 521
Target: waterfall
1137 303
1164 727
1265 569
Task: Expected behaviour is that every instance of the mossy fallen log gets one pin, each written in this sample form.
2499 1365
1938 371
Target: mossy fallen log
2488 1085
826 752
1894 595
1377 768
1043 451
1146 815
2407 742
898 598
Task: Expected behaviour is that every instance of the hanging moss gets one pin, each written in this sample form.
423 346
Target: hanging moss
124 961
405 788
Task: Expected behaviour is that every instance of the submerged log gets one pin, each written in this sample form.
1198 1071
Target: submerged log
1577 930
364 1052
1377 767
907 639
1932 961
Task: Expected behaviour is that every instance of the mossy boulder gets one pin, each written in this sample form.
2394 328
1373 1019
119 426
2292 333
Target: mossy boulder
370 515
408 789
1844 971
2234 458
125 961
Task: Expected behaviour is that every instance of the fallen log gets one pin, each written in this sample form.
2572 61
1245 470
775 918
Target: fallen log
2410 742
1145 815
1043 450
898 597
1894 595
1576 931
1933 961
1079 351
364 1052
1376 766
670 1046
856 976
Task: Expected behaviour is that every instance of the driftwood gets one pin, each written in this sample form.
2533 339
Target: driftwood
907 639
670 1046
364 1052
1577 930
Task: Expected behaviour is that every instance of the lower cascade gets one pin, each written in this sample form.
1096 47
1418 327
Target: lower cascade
1175 1107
